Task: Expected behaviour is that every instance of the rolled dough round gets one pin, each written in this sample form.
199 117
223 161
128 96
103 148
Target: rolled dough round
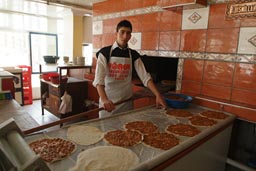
107 158
84 135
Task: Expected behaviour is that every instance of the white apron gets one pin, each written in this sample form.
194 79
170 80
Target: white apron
118 84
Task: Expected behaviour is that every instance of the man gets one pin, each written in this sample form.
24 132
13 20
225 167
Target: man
113 77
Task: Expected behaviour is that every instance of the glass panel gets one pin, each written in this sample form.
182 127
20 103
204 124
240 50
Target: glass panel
42 44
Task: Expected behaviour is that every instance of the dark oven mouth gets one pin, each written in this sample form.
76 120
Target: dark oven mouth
163 71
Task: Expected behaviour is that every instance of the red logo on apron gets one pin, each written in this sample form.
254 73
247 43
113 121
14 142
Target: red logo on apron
119 71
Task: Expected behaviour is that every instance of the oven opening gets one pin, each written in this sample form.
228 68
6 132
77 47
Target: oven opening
163 71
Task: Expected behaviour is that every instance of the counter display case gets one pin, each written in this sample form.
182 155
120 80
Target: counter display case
205 151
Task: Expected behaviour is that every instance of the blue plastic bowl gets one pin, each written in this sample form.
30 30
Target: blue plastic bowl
177 101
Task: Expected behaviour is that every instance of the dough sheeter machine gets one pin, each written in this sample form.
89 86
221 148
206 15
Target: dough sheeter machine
15 153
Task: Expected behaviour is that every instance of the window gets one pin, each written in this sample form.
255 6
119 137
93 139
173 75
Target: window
15 27
42 44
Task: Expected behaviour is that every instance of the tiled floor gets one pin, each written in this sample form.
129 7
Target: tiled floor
36 112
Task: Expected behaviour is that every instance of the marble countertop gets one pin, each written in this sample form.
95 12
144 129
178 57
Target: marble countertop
11 109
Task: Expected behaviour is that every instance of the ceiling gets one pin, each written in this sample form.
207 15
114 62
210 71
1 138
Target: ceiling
52 8
49 8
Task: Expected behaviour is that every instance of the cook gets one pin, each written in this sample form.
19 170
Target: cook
113 77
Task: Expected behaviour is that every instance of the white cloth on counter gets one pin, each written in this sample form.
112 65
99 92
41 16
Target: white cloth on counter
66 103
6 74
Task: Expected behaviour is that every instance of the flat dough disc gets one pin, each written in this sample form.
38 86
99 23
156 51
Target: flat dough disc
84 135
107 158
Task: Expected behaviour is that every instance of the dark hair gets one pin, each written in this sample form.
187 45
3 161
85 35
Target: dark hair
124 23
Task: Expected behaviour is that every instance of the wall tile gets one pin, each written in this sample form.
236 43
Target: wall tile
248 22
133 4
150 40
247 40
202 101
219 73
193 70
245 76
217 17
222 40
97 41
242 113
190 88
109 26
215 91
195 19
169 40
118 6
193 40
135 41
147 3
99 8
150 22
244 96
108 39
136 22
97 27
170 20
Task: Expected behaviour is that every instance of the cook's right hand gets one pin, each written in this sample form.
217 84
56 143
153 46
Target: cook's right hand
108 105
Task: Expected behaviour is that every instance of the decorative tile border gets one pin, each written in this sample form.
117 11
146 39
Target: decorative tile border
145 10
199 56
179 74
240 58
138 11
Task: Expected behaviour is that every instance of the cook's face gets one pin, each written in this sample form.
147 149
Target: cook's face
123 36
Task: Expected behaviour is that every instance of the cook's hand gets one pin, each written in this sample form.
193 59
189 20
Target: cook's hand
108 105
160 102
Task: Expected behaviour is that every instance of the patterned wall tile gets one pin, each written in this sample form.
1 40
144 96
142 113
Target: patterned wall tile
97 27
247 40
135 41
195 19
